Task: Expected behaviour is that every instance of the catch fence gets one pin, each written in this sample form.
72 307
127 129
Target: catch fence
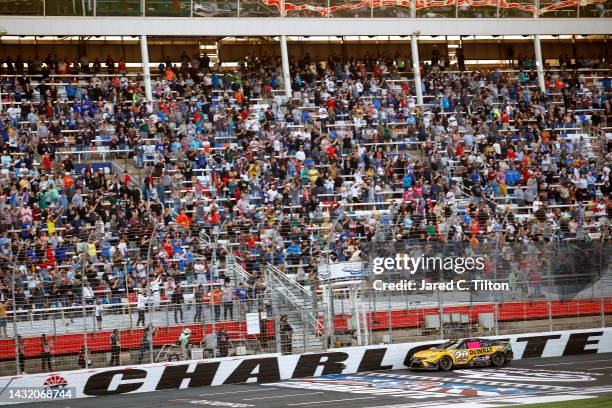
550 287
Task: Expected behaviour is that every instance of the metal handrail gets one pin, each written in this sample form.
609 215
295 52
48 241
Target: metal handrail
241 272
274 270
275 275
290 296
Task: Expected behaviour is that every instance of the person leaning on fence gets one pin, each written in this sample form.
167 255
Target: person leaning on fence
184 342
88 294
177 301
216 297
222 342
21 354
99 311
243 298
81 359
115 347
45 353
3 307
146 342
141 306
228 296
198 300
286 332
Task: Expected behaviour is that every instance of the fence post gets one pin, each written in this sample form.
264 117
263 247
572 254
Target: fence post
332 311
441 314
325 344
603 314
277 334
85 339
167 307
16 336
496 317
366 325
389 317
469 320
151 334
304 330
213 318
550 322
15 329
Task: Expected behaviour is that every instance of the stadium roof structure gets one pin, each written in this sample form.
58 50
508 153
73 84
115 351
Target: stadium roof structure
213 26
304 17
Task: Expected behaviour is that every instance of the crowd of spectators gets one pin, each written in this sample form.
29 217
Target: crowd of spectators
351 158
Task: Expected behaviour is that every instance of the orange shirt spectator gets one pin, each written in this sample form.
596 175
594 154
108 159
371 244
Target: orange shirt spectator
215 296
68 180
183 219
169 74
474 242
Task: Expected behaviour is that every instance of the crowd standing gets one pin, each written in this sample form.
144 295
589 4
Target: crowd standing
350 159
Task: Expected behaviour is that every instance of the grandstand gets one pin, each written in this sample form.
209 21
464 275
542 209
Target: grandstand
217 166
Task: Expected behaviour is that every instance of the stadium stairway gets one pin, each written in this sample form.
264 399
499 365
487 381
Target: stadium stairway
296 302
291 299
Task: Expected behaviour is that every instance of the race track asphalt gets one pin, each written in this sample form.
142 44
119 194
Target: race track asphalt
522 382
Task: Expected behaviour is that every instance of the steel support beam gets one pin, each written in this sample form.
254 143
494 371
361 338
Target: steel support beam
416 67
539 62
285 61
146 70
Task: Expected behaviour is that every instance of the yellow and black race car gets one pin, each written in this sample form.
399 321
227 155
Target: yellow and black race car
464 353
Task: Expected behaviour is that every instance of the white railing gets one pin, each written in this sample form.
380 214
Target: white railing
287 287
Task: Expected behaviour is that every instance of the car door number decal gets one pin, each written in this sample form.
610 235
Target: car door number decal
461 355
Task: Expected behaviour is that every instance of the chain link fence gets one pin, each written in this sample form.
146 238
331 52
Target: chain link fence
550 286
541 287
83 337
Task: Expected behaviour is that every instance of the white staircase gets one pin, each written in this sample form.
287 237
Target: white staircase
294 300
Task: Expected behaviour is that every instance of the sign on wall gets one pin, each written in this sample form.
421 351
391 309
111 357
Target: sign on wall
274 367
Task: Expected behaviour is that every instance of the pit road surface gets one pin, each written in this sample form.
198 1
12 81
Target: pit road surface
521 382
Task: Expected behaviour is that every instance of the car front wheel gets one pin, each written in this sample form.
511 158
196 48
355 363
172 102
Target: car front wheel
445 363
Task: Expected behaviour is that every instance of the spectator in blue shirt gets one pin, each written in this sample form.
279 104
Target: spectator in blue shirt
243 298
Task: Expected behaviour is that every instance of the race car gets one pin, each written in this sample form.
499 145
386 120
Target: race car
464 353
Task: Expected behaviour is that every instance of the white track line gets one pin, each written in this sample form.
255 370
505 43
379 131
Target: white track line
237 392
574 362
330 401
286 395
481 402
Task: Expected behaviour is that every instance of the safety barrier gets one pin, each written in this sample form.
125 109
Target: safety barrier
275 367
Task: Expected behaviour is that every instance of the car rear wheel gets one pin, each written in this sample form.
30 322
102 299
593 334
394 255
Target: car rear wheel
498 360
445 363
